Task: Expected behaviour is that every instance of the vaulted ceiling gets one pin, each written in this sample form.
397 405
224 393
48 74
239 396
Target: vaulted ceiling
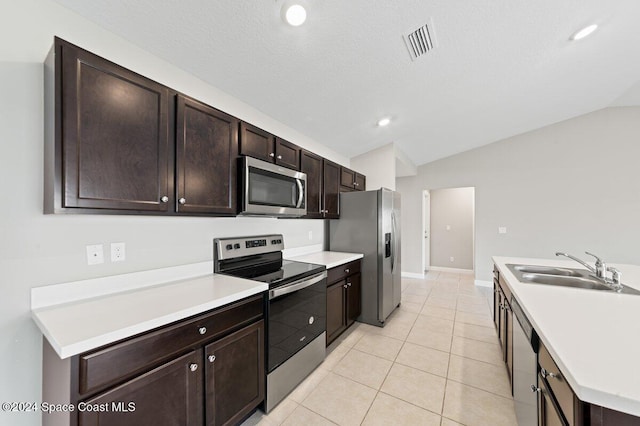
499 67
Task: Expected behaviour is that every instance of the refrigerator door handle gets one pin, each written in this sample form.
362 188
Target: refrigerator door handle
393 237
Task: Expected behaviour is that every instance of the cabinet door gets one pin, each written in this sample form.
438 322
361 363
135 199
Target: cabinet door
548 414
331 189
257 143
353 298
509 342
347 178
335 310
496 306
234 375
168 395
287 154
361 182
206 153
311 164
113 134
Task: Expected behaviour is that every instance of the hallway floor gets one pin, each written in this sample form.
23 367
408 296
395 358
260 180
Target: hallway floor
436 362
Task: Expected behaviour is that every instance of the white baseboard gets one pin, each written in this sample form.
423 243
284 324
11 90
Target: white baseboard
456 270
412 275
481 283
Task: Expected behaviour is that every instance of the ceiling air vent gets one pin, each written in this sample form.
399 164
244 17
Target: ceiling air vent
420 41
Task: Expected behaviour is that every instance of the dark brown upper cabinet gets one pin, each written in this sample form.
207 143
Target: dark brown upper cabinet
287 154
206 153
255 142
351 180
111 135
330 190
311 164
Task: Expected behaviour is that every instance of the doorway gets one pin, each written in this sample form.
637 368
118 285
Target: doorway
449 229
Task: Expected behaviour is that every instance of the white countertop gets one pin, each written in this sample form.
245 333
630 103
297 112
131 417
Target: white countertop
592 335
79 326
330 259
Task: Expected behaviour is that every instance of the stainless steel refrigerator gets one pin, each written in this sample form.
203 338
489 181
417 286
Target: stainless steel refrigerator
370 224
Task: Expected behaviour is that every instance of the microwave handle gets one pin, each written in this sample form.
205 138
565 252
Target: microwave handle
300 193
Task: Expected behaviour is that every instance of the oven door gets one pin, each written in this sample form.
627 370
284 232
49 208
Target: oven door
272 190
296 315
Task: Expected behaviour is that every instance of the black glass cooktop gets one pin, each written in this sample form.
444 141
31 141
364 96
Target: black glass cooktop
277 273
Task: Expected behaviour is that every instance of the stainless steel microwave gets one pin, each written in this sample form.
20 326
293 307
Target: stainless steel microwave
271 190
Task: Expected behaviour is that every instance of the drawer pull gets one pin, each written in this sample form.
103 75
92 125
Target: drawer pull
348 284
344 285
211 358
202 330
546 374
193 367
535 389
347 270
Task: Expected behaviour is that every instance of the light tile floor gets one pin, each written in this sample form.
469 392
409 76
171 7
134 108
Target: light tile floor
436 362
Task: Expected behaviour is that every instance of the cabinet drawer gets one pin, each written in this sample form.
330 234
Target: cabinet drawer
340 272
114 363
505 290
559 387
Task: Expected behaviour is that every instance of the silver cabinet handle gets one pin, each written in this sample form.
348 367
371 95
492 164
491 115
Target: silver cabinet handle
182 201
535 389
211 358
164 199
546 374
347 270
193 367
279 157
271 154
344 285
202 330
348 284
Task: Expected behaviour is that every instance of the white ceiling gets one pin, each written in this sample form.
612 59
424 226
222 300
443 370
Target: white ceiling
502 67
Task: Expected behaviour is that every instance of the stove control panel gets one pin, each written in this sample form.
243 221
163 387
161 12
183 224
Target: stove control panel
228 248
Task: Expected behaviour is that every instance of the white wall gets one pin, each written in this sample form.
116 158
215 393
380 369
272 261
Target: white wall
452 228
572 186
42 249
379 166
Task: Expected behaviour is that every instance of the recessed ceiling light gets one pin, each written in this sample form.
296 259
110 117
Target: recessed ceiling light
384 122
584 32
294 14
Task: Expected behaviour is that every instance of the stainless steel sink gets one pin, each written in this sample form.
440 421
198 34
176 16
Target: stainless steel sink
534 269
565 277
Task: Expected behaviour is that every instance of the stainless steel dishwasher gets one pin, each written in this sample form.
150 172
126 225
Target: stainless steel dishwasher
525 368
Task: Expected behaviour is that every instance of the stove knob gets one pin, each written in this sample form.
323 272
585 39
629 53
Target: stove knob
229 247
274 241
236 246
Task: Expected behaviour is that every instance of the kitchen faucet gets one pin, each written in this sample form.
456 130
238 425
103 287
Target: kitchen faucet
600 269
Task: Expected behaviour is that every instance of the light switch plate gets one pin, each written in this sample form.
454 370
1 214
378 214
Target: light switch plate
95 254
118 252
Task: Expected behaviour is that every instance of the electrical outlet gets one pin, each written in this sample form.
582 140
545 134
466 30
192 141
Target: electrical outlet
451 259
95 254
448 227
117 252
502 230
310 235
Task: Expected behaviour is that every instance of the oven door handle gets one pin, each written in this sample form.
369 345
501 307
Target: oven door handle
300 193
297 285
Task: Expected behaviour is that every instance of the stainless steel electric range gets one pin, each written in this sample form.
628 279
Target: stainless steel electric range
295 308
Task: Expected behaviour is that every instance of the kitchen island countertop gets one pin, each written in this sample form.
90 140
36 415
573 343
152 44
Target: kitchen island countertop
592 335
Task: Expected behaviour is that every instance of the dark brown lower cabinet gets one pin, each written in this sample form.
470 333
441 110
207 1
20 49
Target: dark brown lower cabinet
168 395
335 310
207 369
234 375
548 414
343 298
